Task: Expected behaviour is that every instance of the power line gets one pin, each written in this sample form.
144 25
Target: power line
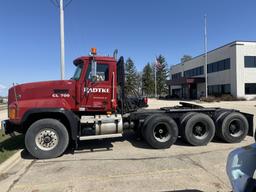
55 3
68 3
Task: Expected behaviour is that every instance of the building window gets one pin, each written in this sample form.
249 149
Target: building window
176 76
227 64
209 68
226 89
217 90
218 66
250 88
194 72
250 61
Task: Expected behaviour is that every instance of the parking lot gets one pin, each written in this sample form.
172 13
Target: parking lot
127 164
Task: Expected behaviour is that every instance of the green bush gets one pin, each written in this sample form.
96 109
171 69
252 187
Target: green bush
209 99
222 98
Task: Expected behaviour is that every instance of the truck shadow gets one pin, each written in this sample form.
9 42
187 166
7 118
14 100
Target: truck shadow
132 138
107 145
186 190
12 143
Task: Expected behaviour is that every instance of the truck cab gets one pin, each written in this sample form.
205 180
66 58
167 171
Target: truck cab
95 93
96 84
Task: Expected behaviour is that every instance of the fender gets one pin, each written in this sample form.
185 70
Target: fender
71 117
249 118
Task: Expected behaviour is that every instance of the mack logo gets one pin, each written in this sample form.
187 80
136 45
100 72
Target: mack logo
96 90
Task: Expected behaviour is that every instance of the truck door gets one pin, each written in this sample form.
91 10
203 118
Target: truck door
97 91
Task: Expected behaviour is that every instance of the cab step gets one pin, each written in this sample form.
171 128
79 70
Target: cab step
92 137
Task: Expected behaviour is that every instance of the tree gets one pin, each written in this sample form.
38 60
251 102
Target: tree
131 80
185 58
139 83
147 80
161 75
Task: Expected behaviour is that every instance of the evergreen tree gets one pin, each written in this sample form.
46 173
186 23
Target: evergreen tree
161 75
185 58
148 80
131 78
139 83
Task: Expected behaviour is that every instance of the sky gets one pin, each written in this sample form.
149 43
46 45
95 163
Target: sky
140 29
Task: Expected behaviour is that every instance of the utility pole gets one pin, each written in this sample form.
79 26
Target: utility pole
61 4
62 43
155 79
205 56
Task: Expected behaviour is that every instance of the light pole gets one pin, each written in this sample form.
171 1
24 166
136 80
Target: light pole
205 56
155 78
62 43
61 5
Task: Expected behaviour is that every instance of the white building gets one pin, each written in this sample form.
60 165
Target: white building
231 70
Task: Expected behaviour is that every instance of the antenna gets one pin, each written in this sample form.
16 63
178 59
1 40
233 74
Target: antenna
61 5
115 54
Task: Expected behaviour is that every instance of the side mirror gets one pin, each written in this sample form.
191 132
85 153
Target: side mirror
94 71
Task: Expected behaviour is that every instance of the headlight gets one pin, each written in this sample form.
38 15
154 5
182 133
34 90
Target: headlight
12 113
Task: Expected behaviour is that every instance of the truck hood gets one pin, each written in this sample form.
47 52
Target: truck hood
42 90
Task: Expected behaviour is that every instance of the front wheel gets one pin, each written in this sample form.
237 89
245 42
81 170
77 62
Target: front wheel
46 138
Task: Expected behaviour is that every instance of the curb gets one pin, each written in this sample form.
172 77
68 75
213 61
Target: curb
10 162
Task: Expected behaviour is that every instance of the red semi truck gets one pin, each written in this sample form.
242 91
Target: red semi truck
93 104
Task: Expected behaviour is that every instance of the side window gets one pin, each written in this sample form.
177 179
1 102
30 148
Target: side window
102 73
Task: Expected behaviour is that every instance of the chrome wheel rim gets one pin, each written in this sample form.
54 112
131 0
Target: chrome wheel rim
47 139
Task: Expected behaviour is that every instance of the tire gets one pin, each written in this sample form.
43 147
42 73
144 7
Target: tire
137 129
145 124
198 129
233 127
183 120
161 131
46 138
218 118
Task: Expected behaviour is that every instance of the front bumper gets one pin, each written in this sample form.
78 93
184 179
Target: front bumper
6 127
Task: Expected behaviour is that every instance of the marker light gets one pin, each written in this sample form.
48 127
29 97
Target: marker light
93 51
145 100
12 113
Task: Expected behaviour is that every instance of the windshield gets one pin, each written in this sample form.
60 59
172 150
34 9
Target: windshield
78 72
